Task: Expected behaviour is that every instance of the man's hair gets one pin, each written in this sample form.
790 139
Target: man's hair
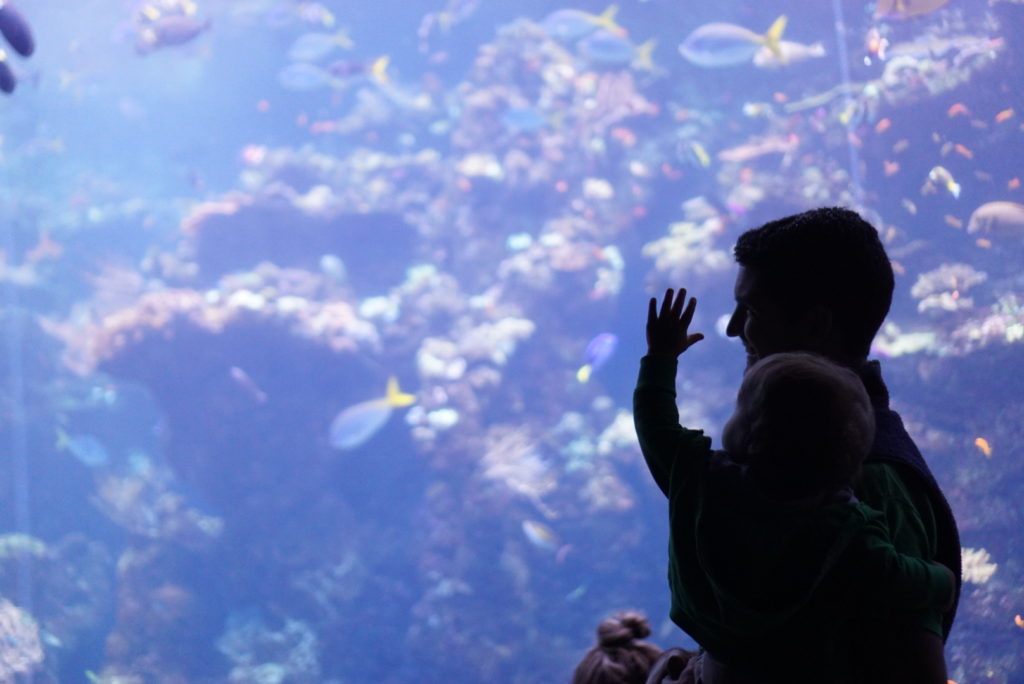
829 256
811 423
618 658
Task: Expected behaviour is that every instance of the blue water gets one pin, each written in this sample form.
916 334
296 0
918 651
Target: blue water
172 216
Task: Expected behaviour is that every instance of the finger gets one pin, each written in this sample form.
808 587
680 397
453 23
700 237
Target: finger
690 308
652 311
677 306
666 303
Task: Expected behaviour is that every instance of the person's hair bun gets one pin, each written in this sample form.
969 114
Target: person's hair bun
622 629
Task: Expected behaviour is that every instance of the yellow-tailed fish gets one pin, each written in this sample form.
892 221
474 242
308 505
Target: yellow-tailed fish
356 424
720 44
572 24
598 351
904 9
613 49
940 175
983 446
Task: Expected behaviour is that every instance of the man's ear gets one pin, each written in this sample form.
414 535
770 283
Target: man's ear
816 325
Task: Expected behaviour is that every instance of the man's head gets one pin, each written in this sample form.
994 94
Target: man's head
802 423
817 281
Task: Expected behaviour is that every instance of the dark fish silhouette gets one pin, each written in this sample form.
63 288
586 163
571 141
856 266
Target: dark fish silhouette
17 32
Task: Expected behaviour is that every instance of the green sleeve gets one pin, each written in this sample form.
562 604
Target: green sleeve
911 525
892 582
662 439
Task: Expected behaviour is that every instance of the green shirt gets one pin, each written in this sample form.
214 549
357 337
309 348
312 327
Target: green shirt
750 576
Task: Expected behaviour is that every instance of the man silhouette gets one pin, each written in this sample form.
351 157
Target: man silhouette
820 281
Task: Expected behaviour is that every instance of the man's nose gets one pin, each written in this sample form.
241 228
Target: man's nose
735 326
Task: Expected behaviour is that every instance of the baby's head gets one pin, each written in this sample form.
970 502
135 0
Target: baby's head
802 423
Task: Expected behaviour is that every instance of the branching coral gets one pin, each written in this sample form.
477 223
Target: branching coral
21 650
944 288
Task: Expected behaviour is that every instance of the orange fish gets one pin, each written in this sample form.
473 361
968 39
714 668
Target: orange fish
891 167
883 125
625 136
953 221
900 146
1013 184
1004 115
983 446
983 243
1019 621
963 151
959 109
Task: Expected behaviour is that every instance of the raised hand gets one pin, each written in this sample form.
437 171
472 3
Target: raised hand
667 329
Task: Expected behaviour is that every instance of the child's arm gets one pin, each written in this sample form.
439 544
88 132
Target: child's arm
654 401
896 582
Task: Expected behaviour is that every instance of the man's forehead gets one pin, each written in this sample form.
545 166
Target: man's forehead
754 289
746 284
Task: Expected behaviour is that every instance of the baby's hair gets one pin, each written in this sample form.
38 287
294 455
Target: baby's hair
618 657
811 423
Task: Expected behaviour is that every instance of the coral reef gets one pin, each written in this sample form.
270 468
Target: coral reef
22 650
255 551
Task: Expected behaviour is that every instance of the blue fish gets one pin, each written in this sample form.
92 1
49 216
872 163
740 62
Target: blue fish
309 47
357 424
571 24
173 29
605 47
720 44
598 351
85 448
